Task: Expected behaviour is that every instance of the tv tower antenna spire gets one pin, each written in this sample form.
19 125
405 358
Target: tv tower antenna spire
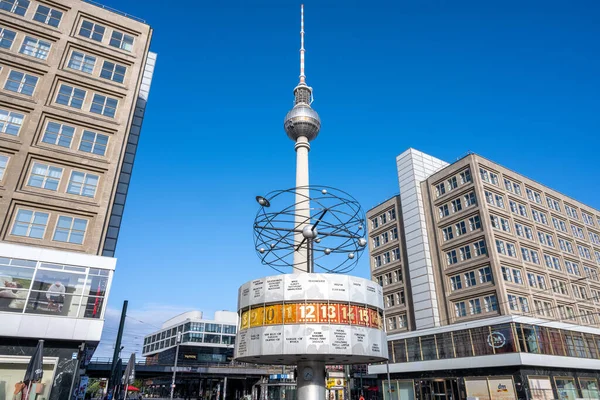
302 124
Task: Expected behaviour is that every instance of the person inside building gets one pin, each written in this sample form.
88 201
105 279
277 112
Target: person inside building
55 295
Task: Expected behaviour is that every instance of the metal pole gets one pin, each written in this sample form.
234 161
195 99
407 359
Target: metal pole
224 388
175 366
387 362
347 370
387 365
117 345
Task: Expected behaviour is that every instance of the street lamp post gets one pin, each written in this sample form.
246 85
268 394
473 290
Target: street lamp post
175 366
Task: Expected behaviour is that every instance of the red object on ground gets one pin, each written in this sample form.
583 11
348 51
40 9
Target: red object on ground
132 389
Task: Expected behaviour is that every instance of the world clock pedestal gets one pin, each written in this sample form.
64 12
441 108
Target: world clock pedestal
311 320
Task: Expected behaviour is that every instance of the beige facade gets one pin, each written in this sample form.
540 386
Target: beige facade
507 245
72 82
387 255
500 244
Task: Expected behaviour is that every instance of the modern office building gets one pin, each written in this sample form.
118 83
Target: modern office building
197 342
499 275
74 80
200 340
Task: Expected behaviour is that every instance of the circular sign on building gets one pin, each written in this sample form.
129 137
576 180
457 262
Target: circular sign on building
333 318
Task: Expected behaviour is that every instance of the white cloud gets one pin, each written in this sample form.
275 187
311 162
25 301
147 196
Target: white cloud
139 322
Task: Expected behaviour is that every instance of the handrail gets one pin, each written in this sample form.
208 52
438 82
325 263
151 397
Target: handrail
124 14
233 364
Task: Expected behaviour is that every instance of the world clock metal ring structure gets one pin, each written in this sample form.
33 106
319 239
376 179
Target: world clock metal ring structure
306 318
332 230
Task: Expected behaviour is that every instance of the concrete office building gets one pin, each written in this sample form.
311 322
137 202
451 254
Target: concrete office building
500 281
74 80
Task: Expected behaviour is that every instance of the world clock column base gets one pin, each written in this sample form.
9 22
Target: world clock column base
310 380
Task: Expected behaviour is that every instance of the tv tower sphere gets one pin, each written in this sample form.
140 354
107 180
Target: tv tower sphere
302 120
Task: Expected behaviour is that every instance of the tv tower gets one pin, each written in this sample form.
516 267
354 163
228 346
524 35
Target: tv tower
302 125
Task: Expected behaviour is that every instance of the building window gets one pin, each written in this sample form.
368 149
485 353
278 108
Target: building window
452 183
7 37
47 15
440 189
470 279
456 205
517 277
392 213
474 222
524 304
45 176
485 275
451 257
541 282
447 233
490 303
522 210
512 302
18 7
92 31
465 253
479 248
375 223
70 96
113 72
70 230
470 199
396 253
553 204
465 176
121 41
587 219
511 250
500 247
30 223
94 143
392 324
444 211
82 62
571 212
83 184
517 188
474 306
376 241
489 177
461 228
394 232
21 82
10 122
460 309
390 301
379 280
104 105
35 48
577 231
456 283
378 261
3 164
58 134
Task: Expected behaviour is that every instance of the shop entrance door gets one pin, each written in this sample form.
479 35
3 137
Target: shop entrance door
439 389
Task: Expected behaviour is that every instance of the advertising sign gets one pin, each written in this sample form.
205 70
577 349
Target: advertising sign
477 389
502 389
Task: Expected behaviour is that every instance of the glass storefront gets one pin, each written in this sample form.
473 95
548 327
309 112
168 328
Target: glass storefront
42 288
540 388
400 390
589 388
565 386
12 372
495 339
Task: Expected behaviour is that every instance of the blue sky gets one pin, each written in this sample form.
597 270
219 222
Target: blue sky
516 82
